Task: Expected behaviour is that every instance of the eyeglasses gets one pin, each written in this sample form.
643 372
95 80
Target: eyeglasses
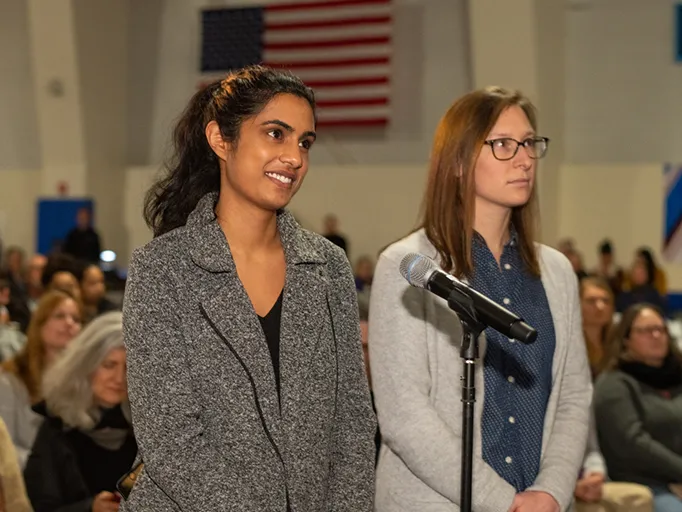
506 148
650 329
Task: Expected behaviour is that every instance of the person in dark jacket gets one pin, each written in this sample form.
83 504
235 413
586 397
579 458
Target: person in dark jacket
83 242
86 442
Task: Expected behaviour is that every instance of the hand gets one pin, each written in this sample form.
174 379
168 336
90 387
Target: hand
676 489
534 501
105 502
589 488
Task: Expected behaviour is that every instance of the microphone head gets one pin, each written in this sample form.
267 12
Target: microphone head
417 268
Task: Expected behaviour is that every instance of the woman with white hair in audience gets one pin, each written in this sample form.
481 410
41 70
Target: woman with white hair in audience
638 407
53 325
86 442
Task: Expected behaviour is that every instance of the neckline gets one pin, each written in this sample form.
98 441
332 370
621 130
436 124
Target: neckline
274 307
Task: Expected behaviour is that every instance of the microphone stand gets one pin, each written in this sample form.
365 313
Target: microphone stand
472 327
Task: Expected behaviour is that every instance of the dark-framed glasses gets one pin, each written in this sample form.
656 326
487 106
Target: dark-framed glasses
505 148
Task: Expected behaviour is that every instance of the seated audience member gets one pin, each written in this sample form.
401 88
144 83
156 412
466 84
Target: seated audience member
34 283
608 269
63 272
594 493
660 282
13 496
12 339
597 307
92 291
13 271
86 442
364 273
638 407
54 324
641 287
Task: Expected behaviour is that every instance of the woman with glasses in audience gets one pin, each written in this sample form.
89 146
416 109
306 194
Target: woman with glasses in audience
53 325
479 223
638 407
593 492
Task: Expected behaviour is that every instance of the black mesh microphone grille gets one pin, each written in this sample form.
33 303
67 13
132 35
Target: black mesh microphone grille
417 268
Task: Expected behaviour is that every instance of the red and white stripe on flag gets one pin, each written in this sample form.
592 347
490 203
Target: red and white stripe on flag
340 48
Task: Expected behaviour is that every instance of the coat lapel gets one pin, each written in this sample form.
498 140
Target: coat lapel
304 309
228 309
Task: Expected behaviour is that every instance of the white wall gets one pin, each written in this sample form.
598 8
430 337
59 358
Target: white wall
19 191
621 202
375 204
623 86
18 121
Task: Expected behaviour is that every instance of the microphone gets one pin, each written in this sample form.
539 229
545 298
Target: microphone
422 272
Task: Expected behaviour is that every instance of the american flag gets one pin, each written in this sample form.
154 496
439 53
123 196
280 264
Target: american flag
340 48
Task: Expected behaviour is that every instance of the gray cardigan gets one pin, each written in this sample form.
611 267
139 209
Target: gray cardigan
416 370
640 431
206 415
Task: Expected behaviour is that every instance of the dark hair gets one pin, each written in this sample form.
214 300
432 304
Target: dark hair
649 264
605 247
193 170
448 205
61 262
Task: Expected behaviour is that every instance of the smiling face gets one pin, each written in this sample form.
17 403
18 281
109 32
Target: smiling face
267 164
509 183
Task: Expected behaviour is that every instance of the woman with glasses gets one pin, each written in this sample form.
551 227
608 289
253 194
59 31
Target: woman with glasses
638 407
532 412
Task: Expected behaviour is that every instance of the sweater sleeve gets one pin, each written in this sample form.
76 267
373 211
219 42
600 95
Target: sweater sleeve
409 424
621 428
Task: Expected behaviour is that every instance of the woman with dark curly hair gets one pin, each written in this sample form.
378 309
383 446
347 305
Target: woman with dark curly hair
245 367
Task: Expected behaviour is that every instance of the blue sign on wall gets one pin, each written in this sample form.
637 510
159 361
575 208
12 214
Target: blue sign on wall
56 217
678 32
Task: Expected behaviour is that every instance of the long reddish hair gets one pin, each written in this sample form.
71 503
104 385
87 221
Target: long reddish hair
30 363
448 205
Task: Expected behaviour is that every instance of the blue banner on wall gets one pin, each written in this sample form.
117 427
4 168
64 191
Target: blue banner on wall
56 217
677 34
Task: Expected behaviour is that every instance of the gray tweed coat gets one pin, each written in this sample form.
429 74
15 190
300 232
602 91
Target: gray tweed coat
211 431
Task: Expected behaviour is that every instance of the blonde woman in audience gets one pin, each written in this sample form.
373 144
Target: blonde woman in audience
638 407
86 442
53 325
12 490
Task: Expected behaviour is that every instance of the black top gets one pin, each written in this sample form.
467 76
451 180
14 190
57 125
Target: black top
83 245
67 468
271 324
